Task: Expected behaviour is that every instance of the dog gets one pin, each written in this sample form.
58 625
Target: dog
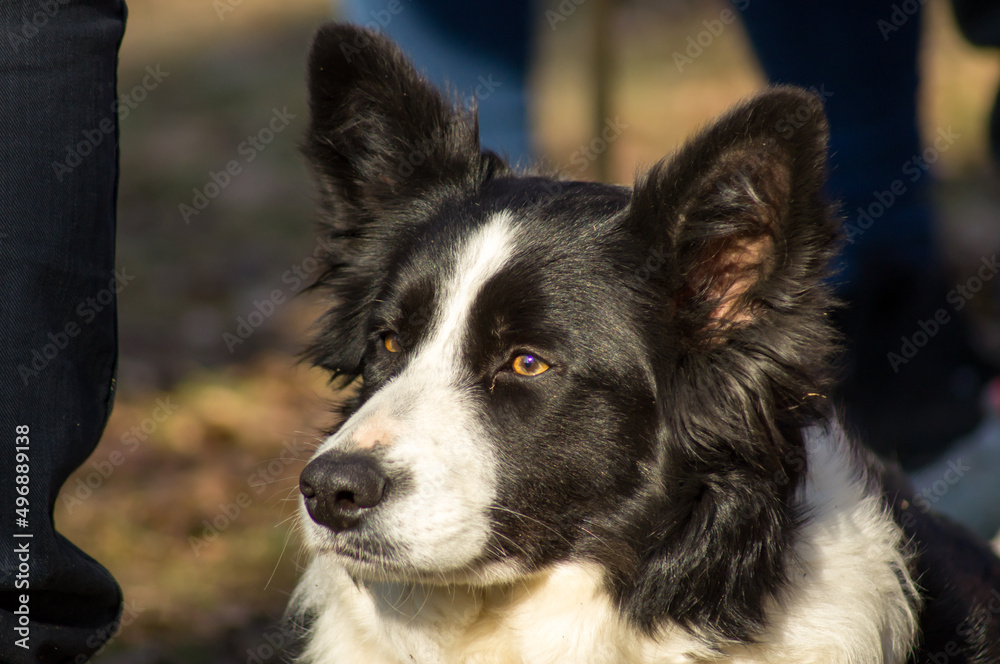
590 424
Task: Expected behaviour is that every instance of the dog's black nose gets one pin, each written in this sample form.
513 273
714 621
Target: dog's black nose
338 491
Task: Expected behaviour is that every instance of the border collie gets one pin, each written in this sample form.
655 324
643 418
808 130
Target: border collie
589 424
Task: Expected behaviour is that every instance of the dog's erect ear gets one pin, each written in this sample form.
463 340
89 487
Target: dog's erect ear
740 214
386 149
740 300
381 136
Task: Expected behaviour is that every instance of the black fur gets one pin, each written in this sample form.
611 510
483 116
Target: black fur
386 150
685 320
737 392
958 576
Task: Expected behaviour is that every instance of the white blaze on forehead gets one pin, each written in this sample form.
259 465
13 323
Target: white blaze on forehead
426 422
480 257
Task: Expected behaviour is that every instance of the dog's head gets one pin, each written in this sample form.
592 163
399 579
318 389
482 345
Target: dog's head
554 370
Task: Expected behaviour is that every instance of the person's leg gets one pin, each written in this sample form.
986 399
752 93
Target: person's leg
58 339
481 51
869 81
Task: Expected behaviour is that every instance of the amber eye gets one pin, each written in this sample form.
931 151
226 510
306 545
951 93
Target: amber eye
391 342
529 365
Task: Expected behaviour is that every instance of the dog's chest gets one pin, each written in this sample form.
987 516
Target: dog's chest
563 617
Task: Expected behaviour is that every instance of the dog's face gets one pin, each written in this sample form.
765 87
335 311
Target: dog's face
507 402
560 370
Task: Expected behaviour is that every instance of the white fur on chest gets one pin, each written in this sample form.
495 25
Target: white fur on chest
562 616
850 601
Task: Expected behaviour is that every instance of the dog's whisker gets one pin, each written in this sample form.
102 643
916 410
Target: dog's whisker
286 520
521 515
517 547
288 536
290 496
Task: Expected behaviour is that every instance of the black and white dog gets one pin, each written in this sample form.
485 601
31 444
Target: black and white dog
589 422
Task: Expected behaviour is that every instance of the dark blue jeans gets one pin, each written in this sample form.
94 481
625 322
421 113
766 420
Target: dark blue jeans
58 339
862 57
479 51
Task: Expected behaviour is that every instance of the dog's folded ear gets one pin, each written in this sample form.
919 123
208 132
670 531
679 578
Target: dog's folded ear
740 212
381 136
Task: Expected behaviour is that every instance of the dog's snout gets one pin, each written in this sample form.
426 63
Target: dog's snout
338 491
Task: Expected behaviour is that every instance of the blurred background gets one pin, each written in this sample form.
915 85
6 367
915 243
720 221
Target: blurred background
190 498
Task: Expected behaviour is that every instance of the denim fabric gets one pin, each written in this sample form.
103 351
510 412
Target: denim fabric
862 56
58 340
480 51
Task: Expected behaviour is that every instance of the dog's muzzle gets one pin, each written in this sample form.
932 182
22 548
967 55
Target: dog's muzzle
340 491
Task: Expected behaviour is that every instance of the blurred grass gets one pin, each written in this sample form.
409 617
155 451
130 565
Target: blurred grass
189 506
244 421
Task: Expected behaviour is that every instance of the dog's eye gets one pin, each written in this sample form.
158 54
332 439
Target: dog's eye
529 365
391 342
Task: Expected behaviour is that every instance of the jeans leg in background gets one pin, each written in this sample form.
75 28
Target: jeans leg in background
869 81
891 278
481 51
58 339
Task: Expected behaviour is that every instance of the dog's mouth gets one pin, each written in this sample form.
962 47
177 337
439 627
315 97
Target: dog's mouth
365 556
369 559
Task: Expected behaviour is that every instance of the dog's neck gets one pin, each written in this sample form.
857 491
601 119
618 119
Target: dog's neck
849 599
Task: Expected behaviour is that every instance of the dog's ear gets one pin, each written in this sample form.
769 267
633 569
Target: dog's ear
386 148
740 302
740 214
381 136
